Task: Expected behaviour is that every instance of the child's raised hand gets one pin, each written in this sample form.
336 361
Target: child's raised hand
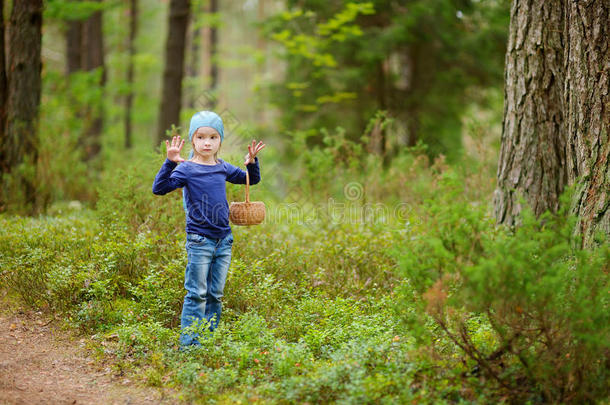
253 150
173 150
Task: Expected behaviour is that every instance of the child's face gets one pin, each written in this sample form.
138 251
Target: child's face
206 141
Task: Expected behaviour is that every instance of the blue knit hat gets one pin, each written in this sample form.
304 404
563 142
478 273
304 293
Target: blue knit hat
206 119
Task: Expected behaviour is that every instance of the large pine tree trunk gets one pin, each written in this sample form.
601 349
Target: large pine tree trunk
174 67
587 112
532 155
556 119
24 87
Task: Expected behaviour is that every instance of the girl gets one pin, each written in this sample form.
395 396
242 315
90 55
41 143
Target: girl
208 235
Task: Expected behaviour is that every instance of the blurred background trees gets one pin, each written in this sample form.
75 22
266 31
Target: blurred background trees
422 62
85 52
171 98
363 79
385 74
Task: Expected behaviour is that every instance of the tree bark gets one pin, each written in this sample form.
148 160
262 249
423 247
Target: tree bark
532 155
192 68
587 103
378 130
4 167
556 117
213 49
74 40
174 67
93 58
133 20
198 67
209 60
24 87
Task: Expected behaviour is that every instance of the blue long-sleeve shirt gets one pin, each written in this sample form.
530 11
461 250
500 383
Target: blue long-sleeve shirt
205 195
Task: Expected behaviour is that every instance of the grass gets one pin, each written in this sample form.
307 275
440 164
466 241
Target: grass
320 306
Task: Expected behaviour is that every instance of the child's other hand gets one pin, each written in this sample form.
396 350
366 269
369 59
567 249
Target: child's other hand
173 150
252 151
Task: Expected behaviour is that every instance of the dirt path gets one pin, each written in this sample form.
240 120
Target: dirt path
39 365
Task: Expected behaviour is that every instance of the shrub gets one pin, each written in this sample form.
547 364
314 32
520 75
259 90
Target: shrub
529 308
129 204
159 294
44 260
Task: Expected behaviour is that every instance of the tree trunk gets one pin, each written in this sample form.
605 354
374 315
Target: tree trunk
214 50
209 61
587 103
93 58
532 155
174 67
133 19
73 46
382 105
413 56
4 167
262 65
556 119
193 67
24 87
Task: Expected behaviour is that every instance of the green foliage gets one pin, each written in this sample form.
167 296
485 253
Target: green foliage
378 276
313 309
158 295
529 307
126 201
68 106
315 48
418 60
35 260
75 10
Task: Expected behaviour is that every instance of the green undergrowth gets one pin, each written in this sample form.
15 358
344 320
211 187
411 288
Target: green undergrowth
422 301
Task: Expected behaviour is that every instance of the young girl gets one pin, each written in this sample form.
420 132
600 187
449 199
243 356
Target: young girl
208 235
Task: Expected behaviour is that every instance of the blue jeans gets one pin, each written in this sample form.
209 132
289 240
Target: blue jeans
204 281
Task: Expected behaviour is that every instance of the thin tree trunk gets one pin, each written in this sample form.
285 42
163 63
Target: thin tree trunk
381 102
93 43
261 46
24 87
192 67
174 67
587 102
412 109
93 58
213 49
74 39
133 20
4 166
209 61
532 155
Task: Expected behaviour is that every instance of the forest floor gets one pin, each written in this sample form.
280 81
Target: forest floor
42 364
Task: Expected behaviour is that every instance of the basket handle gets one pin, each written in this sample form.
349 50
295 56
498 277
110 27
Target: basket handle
247 186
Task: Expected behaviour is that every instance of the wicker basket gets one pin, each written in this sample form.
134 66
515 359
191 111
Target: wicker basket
247 213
